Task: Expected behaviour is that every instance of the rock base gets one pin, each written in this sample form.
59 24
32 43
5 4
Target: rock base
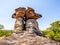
26 38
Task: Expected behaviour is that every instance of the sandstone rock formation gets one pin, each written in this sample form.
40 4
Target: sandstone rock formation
31 36
25 16
27 38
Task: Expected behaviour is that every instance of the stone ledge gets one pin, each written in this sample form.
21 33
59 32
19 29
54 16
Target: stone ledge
27 38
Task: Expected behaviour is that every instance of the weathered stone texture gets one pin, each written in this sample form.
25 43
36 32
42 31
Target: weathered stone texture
18 27
26 38
31 24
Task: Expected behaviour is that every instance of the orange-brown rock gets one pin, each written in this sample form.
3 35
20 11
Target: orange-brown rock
20 12
36 16
30 13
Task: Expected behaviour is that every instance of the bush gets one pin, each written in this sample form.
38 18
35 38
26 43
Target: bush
5 33
53 32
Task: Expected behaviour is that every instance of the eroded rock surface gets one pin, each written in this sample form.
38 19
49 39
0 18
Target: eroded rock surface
18 27
26 38
32 26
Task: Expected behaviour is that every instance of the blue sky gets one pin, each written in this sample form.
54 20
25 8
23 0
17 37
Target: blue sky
50 10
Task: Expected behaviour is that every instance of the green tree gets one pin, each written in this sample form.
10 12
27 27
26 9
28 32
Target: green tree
53 32
55 26
1 26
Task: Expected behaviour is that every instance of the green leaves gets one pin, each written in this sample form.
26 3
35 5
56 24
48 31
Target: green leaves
53 32
57 37
1 26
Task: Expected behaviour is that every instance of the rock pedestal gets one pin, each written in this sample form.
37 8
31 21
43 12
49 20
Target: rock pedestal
18 27
32 23
32 26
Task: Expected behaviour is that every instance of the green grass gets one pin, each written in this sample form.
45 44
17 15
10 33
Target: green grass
5 33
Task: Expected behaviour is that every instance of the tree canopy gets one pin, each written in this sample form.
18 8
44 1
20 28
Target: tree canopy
1 26
53 32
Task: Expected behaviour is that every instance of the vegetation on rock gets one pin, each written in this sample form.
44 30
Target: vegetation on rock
53 32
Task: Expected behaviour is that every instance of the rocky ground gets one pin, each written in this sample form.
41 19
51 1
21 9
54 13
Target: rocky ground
26 38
